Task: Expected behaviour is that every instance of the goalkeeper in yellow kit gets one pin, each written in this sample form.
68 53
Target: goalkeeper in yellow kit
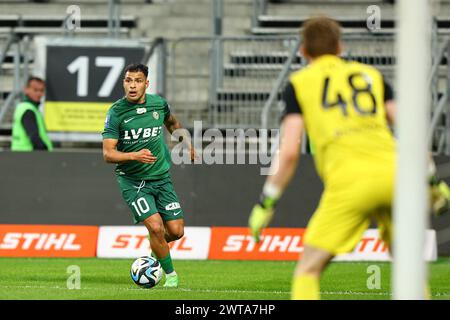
346 108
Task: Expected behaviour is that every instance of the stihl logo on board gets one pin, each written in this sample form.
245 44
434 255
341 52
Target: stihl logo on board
371 244
282 244
48 241
40 241
237 243
132 241
275 243
268 243
136 241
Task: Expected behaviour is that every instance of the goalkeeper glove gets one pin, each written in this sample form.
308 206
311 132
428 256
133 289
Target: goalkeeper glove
440 196
261 216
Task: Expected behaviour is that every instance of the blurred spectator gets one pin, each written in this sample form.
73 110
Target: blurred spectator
29 132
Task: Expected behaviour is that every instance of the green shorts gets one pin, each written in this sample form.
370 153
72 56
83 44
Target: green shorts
147 197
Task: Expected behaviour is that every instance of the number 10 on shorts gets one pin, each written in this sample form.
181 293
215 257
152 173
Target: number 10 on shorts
141 206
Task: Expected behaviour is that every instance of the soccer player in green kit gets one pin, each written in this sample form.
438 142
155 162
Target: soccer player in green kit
133 139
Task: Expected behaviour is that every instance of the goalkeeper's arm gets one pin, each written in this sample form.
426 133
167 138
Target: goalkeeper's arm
439 190
281 172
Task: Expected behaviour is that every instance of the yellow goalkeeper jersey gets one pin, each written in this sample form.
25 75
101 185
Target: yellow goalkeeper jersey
342 104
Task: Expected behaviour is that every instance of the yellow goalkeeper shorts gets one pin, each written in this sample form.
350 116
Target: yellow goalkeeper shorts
351 199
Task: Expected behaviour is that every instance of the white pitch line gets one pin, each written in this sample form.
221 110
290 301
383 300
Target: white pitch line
439 294
154 289
357 293
233 291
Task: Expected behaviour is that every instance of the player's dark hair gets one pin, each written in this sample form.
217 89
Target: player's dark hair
34 78
321 35
137 67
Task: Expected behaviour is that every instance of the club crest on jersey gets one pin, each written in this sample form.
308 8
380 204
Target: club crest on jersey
155 115
141 110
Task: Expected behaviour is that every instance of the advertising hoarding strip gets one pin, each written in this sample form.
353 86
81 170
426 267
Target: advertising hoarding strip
198 243
48 240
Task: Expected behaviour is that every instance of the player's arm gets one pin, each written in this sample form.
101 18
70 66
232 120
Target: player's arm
285 161
389 103
29 123
173 124
439 190
110 141
112 155
390 111
283 165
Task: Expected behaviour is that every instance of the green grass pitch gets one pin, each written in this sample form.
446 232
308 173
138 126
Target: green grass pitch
39 278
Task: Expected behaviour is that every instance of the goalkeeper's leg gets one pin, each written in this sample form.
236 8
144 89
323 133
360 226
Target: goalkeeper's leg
306 283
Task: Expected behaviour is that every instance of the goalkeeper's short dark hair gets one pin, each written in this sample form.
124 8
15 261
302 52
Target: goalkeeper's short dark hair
137 67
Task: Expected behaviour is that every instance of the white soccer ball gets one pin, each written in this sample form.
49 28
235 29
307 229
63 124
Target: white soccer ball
146 272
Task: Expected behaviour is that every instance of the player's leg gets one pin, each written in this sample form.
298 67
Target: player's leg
174 229
383 218
172 216
160 248
305 285
336 227
141 198
158 243
170 209
440 199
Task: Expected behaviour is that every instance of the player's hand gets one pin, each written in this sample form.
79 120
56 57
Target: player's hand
144 156
194 155
440 197
259 219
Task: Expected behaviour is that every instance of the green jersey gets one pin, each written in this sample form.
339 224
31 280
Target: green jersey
137 127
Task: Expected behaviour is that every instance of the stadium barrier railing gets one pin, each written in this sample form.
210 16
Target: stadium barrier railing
225 81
